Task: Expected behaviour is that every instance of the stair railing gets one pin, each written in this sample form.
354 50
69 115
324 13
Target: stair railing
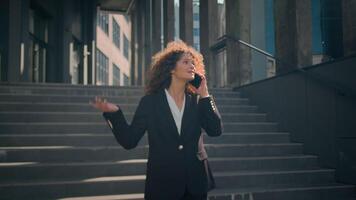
341 89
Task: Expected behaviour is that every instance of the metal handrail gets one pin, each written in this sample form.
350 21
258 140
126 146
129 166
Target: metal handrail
342 90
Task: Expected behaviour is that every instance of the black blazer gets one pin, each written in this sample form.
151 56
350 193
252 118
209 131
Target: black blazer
173 163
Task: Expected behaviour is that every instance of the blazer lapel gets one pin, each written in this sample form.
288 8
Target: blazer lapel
187 114
163 106
167 114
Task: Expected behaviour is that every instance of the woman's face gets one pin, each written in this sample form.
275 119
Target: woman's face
184 68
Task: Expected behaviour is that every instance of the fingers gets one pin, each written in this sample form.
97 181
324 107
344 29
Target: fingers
97 101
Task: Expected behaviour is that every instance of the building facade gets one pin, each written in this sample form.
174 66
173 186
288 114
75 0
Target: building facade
113 36
56 41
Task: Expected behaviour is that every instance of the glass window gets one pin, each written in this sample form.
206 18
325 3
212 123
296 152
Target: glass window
127 18
196 32
116 33
126 80
103 21
196 17
197 46
116 73
126 47
102 66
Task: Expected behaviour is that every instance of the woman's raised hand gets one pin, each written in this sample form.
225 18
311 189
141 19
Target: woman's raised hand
104 106
203 88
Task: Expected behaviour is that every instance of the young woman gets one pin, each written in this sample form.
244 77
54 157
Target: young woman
173 113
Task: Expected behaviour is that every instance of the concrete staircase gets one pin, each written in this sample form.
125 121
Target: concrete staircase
53 145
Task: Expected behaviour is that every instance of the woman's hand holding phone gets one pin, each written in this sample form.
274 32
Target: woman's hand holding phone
202 90
103 105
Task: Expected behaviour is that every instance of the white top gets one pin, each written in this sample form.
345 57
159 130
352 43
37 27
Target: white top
177 114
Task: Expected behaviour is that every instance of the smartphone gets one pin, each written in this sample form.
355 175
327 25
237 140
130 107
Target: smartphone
196 81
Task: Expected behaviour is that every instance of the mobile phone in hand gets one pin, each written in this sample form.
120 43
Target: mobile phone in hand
196 81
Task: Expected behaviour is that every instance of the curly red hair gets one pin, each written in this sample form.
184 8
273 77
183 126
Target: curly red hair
163 62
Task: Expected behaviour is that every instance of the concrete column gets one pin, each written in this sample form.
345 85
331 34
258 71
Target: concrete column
139 39
89 37
142 15
349 26
208 36
293 34
186 21
168 27
15 40
135 45
67 14
258 38
91 42
238 57
156 25
147 39
4 39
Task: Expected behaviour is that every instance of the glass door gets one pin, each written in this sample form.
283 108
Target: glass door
76 61
38 46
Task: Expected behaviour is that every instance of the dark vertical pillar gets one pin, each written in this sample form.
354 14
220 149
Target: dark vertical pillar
304 36
4 39
92 41
238 57
168 10
186 21
147 39
25 59
66 21
89 36
156 25
140 41
331 27
135 40
133 46
293 34
14 45
349 26
208 36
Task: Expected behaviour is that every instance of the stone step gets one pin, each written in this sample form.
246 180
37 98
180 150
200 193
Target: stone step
328 191
108 139
102 127
97 91
86 99
90 117
85 107
54 145
109 153
66 86
135 184
251 178
313 192
56 171
137 196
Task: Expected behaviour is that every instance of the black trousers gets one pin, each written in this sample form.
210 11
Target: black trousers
188 196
